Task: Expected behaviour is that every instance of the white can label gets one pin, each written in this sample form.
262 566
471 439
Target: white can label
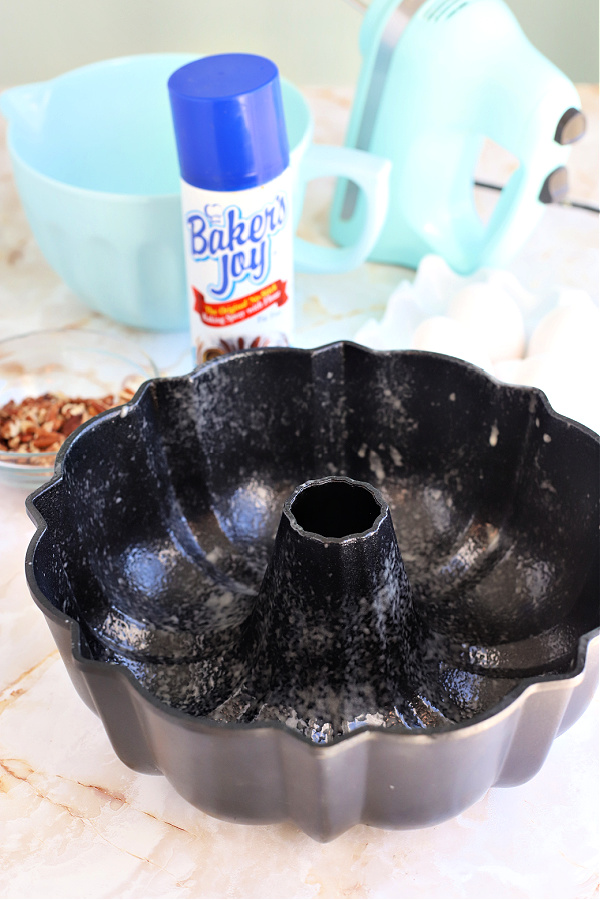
239 265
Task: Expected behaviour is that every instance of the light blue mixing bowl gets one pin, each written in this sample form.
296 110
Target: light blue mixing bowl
95 163
108 222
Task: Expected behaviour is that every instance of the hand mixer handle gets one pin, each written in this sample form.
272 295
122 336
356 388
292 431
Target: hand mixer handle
430 92
439 200
518 101
531 132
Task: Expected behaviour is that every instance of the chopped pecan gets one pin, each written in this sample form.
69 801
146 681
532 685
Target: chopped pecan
41 424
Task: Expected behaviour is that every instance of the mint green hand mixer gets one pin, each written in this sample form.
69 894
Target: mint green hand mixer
438 77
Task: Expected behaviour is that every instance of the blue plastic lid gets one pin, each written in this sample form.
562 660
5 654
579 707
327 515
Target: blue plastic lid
229 121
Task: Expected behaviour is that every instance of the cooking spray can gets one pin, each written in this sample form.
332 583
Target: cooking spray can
236 192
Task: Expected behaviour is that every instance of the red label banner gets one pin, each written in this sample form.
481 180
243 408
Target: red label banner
233 311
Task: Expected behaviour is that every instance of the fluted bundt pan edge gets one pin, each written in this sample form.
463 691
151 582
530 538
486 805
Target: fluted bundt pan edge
262 770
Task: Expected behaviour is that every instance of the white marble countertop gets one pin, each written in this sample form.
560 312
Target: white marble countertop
76 822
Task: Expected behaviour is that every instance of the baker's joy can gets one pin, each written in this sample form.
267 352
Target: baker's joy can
236 194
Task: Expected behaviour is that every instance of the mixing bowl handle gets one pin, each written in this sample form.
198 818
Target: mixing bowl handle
371 173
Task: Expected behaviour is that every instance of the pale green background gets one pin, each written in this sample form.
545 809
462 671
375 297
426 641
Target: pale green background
312 41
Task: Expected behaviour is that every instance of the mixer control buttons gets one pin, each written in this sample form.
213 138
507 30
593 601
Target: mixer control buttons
555 186
571 127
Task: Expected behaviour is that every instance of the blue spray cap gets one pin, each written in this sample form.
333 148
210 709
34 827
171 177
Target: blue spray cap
229 121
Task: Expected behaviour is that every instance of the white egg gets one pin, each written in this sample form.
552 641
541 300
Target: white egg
573 329
509 371
493 319
440 334
571 385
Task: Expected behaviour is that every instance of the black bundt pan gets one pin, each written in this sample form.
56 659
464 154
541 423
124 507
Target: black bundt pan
332 586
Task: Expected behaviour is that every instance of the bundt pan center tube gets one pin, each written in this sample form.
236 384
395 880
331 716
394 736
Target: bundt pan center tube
329 586
333 631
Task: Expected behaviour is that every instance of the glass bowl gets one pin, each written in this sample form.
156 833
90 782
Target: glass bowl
72 364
